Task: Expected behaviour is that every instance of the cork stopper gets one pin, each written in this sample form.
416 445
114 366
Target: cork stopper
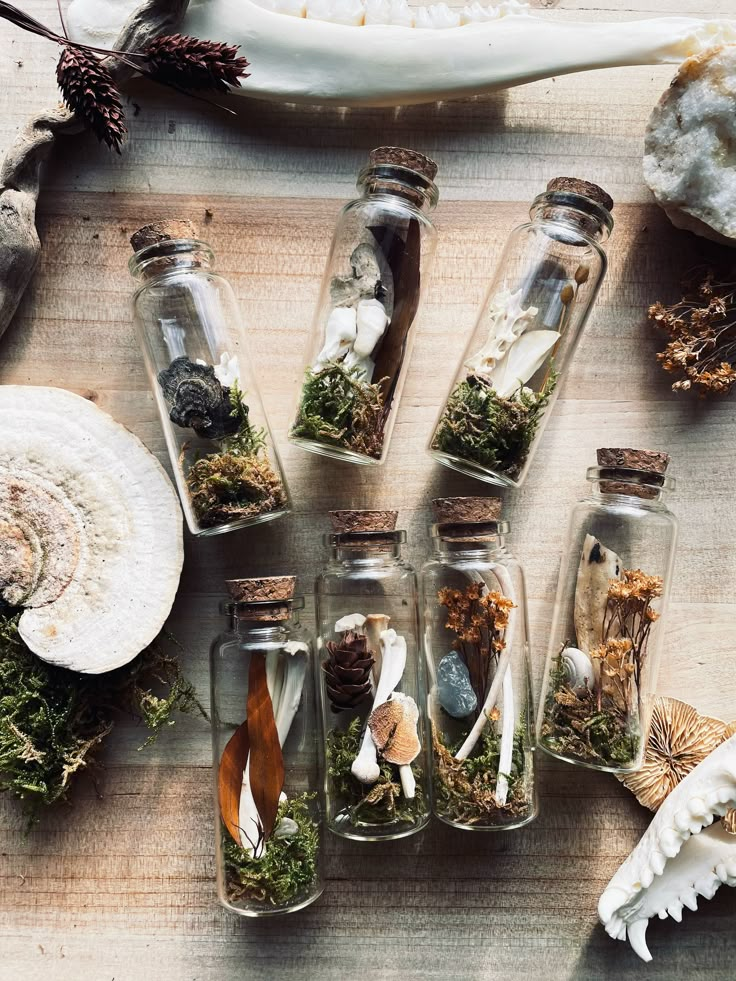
646 461
573 185
352 522
164 230
275 590
466 510
400 157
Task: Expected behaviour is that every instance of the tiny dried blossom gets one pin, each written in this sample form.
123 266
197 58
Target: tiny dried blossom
635 585
702 330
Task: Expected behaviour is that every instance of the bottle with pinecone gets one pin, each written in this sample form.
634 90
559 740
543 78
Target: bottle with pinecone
372 682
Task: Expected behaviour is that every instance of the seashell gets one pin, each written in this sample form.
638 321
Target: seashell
198 401
578 668
393 726
286 828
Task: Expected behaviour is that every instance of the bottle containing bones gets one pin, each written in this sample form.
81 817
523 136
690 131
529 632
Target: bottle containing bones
363 327
224 460
615 576
268 815
525 336
372 682
476 644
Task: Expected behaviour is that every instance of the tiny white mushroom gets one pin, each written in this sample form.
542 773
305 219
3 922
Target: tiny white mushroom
352 621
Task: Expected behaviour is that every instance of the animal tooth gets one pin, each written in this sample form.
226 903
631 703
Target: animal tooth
646 878
476 13
726 795
638 938
697 808
401 14
293 8
690 900
682 821
675 911
670 842
708 886
377 12
612 899
437 16
351 12
662 914
658 862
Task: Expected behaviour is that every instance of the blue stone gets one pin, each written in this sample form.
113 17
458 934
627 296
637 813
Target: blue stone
454 691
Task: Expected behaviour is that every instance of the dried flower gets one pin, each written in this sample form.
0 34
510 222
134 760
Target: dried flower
702 327
188 63
89 91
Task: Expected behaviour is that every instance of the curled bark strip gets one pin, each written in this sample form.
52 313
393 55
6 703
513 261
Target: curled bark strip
20 175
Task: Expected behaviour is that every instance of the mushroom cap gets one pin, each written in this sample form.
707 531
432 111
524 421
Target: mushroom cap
393 726
679 739
90 531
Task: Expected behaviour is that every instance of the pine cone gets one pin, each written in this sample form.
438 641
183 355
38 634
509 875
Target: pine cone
89 91
348 672
189 63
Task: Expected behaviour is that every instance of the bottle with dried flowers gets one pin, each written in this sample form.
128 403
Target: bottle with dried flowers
267 765
475 636
223 456
372 682
530 323
363 327
606 634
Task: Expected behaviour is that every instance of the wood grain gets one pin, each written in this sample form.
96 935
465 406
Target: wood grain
123 886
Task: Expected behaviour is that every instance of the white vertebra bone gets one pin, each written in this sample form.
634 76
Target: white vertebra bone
676 860
339 335
297 59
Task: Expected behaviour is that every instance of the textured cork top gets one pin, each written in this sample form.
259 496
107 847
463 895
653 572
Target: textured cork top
466 510
573 185
349 522
275 589
649 461
165 230
401 157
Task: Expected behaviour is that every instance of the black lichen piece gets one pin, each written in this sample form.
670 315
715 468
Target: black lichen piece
198 401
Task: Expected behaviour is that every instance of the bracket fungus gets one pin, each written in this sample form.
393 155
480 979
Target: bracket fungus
90 531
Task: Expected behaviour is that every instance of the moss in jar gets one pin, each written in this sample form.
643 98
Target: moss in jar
341 409
382 802
287 870
465 790
493 432
239 482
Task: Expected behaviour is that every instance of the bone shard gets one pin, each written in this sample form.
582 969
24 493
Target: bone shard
598 566
365 765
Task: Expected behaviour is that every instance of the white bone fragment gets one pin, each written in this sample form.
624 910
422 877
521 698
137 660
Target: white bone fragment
507 322
371 324
598 565
352 621
522 361
340 333
365 765
696 864
364 367
375 625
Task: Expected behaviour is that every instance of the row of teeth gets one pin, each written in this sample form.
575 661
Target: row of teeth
359 13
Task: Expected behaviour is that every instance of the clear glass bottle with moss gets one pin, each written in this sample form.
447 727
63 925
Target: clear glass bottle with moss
266 757
372 682
607 630
222 453
529 326
476 643
363 327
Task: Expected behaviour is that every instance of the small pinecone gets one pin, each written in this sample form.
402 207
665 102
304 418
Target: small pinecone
89 91
189 63
348 672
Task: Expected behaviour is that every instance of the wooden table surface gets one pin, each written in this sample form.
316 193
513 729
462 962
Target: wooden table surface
122 887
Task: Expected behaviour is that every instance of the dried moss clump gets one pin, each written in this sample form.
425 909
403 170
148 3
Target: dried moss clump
53 721
339 408
287 870
380 803
496 433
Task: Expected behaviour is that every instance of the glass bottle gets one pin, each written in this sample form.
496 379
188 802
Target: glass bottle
476 644
363 327
526 334
615 577
372 682
266 758
224 460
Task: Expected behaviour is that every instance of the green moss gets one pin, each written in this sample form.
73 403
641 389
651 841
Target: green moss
53 721
496 433
381 803
286 872
340 409
465 790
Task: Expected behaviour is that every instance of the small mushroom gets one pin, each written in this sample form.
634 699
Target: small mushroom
393 726
375 624
352 621
197 400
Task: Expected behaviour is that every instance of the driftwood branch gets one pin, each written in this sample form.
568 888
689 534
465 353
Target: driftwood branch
20 174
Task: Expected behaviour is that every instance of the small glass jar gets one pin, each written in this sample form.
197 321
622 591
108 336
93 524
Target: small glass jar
266 757
363 328
615 577
372 683
476 643
224 460
527 331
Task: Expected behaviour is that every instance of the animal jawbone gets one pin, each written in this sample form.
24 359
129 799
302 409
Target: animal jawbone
341 52
676 860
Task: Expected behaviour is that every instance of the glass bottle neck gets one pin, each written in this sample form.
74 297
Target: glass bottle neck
635 488
463 541
399 182
568 216
368 548
173 255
